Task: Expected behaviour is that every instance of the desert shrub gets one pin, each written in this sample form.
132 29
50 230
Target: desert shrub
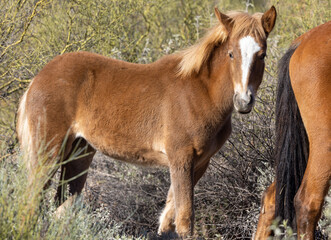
30 214
123 200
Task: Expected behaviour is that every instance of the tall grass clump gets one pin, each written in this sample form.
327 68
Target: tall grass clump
27 211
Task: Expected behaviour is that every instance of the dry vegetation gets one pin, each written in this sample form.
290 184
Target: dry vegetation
123 201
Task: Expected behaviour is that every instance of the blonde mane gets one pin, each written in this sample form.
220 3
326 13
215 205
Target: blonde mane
195 56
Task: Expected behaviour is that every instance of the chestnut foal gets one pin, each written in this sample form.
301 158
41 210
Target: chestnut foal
175 112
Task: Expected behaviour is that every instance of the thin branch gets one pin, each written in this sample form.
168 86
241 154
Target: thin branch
26 26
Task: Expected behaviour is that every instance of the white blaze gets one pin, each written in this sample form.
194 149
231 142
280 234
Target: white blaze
248 47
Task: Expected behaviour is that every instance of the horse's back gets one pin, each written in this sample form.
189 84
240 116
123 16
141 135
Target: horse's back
70 83
103 100
312 57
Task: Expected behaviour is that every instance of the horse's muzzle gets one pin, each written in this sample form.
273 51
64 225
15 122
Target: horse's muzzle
243 103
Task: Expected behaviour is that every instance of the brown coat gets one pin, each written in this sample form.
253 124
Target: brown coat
175 112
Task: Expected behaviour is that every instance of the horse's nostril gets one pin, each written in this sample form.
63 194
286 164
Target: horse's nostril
251 99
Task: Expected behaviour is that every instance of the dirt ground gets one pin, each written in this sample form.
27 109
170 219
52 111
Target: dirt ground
133 196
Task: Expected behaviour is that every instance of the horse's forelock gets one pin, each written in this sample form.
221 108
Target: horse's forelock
245 24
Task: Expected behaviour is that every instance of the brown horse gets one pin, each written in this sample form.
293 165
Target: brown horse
175 112
303 135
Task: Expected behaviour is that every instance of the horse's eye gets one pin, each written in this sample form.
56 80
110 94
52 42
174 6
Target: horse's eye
231 55
262 56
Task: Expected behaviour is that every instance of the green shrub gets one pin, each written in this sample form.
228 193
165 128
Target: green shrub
228 196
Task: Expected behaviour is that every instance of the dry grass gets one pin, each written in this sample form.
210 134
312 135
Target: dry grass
123 201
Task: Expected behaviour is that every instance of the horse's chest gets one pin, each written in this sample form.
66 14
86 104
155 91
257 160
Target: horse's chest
215 143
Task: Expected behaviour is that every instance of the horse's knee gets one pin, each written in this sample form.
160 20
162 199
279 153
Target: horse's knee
301 209
303 206
308 211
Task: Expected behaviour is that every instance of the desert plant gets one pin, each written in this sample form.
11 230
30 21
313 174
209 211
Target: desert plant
125 200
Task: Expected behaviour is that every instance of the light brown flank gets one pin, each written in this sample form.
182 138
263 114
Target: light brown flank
303 136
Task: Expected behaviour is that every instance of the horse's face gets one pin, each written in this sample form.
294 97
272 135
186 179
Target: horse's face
245 55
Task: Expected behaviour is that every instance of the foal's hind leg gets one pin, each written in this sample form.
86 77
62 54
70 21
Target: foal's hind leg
167 217
73 173
267 213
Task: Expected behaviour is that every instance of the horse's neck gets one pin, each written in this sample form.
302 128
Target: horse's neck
217 79
210 92
210 100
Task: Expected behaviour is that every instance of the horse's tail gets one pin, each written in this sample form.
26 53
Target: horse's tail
23 128
292 147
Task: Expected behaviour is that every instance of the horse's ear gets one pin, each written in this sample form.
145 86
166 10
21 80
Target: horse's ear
223 19
268 20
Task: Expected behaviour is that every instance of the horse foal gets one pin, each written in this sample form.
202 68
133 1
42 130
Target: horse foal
175 112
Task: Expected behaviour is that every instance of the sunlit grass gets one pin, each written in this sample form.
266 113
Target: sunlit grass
28 211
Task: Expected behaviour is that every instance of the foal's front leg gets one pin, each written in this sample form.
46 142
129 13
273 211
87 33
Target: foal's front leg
167 217
181 174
